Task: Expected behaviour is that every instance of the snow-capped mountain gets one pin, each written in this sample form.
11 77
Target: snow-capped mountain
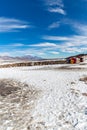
24 58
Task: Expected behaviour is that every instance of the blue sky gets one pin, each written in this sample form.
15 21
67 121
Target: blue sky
44 28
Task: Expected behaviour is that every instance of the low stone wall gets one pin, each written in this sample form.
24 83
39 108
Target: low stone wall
36 63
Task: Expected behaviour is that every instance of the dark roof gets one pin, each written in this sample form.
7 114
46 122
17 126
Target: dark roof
79 55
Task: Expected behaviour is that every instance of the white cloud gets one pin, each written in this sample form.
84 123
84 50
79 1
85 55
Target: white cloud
77 27
17 45
54 25
28 51
71 50
55 38
55 6
54 3
12 45
80 28
4 54
74 40
45 51
44 44
72 44
54 52
57 10
10 25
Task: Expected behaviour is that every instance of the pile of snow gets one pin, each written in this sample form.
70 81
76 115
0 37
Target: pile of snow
62 104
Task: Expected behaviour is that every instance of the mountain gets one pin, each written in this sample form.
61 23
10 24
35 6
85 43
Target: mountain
24 58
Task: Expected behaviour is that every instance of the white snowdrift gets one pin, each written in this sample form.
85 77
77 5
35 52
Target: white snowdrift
62 105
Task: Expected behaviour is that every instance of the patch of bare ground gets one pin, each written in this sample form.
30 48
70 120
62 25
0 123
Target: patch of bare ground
72 82
84 94
17 101
8 87
84 79
74 91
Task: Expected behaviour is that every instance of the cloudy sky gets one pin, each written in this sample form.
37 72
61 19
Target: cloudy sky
45 28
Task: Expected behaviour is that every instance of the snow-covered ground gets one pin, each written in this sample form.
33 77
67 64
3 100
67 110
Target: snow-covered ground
61 104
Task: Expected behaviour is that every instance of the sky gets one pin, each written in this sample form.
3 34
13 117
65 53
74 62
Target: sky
43 28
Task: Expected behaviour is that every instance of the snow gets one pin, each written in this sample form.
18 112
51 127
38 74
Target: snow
61 105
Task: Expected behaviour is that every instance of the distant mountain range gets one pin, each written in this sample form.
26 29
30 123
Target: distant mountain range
31 58
24 58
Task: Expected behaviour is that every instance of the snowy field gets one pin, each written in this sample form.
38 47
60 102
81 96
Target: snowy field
50 97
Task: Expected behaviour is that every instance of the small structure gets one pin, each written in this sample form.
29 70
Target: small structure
75 59
81 59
